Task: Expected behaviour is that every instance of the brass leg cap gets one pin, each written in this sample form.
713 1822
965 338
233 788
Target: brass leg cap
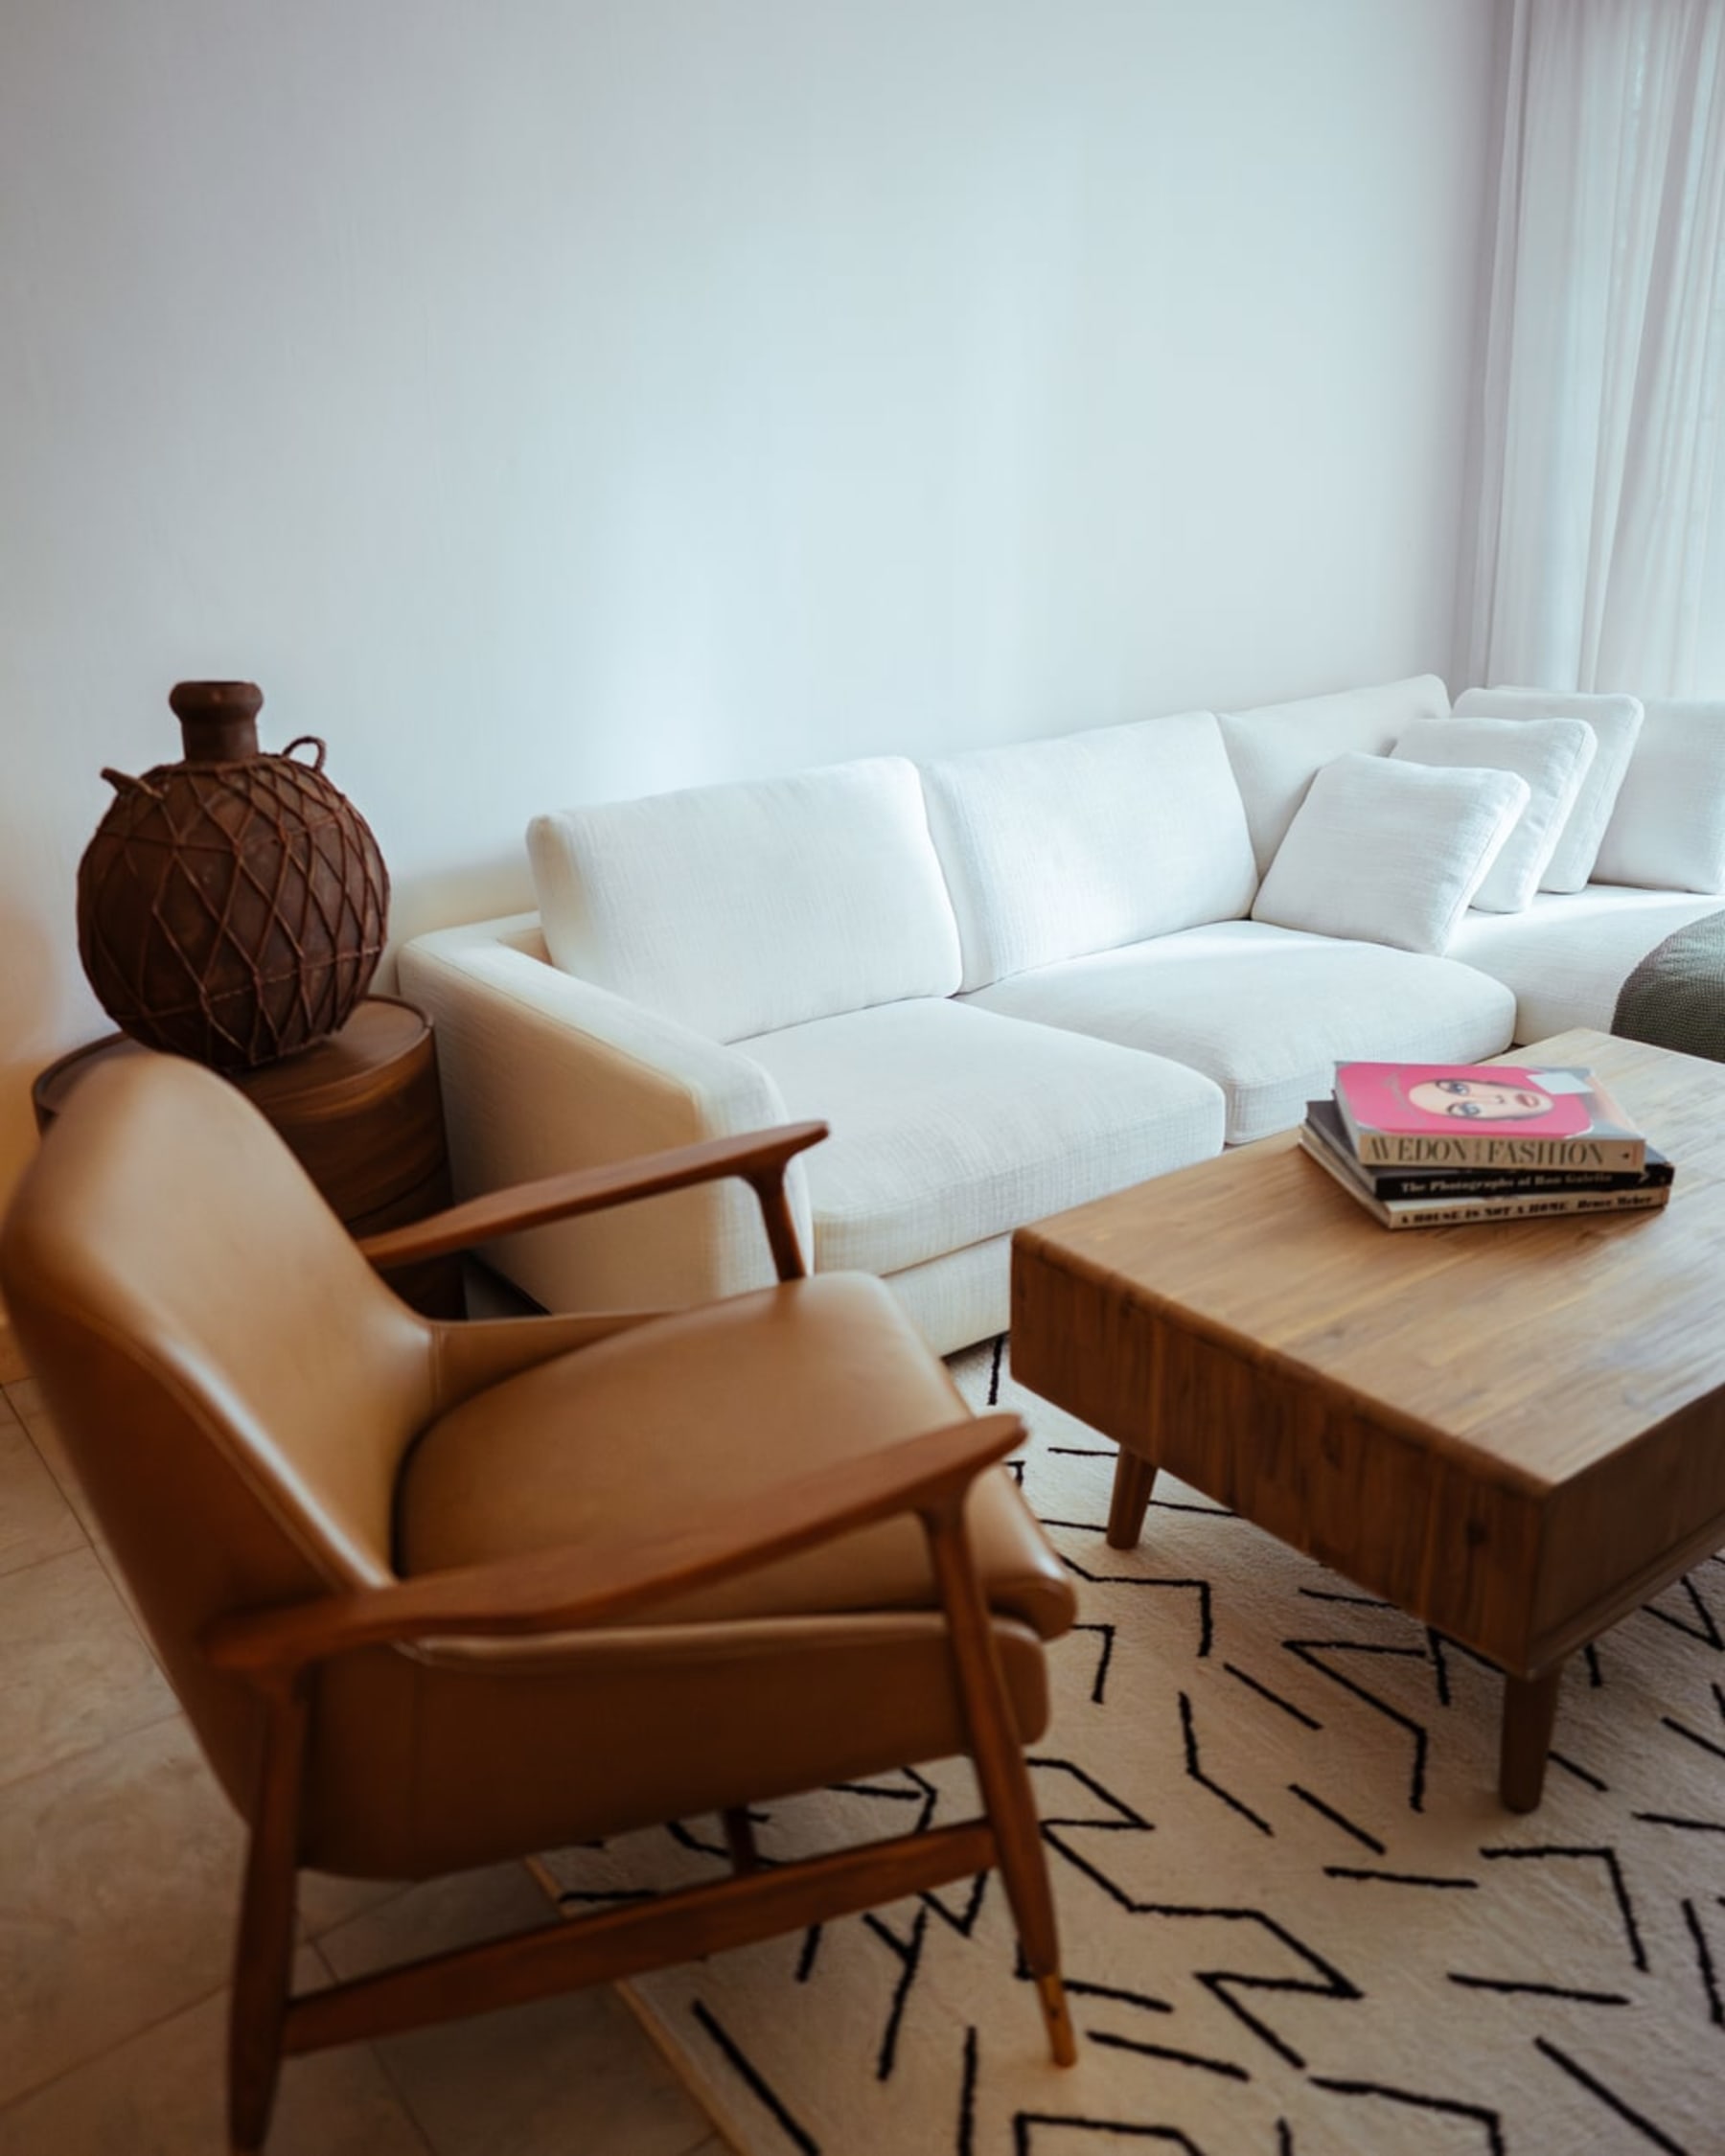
1063 2042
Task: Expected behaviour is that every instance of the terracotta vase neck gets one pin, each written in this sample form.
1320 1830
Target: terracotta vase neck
218 720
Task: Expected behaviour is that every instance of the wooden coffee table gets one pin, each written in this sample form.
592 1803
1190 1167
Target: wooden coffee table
1514 1432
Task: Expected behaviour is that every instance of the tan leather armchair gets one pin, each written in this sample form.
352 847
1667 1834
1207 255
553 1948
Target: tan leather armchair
436 1594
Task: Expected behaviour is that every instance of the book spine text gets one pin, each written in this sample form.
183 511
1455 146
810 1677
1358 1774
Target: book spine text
1378 1149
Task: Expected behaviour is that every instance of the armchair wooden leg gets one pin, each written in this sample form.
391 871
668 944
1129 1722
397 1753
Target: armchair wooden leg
739 1839
999 1759
263 1958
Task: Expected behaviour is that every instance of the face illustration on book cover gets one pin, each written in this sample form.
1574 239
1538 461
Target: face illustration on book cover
1433 1097
1472 1098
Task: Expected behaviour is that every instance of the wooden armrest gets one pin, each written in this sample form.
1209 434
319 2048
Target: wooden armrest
565 1589
760 1157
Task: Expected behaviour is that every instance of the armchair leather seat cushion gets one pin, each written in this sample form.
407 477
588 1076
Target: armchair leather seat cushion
680 1709
683 1704
595 1444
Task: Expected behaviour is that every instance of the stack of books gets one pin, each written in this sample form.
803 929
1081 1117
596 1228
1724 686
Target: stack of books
1443 1145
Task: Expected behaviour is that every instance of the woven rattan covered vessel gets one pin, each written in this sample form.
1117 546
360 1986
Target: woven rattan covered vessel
232 906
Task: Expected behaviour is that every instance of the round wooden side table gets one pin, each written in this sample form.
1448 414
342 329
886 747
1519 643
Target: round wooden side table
362 1113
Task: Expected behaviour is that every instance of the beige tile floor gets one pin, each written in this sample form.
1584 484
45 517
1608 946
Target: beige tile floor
119 1868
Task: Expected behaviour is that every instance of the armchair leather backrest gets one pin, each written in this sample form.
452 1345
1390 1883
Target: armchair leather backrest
234 1385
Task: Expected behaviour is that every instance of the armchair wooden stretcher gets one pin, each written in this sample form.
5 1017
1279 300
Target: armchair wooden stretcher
435 1594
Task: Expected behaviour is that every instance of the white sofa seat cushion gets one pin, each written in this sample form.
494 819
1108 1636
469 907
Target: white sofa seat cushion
1668 830
1551 755
736 909
951 1125
1568 956
1267 1012
1276 749
1615 723
1390 853
1052 848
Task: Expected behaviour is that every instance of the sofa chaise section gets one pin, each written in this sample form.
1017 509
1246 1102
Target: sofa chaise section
1566 958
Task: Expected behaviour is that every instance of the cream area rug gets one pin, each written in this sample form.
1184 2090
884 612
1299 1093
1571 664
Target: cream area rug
1295 1920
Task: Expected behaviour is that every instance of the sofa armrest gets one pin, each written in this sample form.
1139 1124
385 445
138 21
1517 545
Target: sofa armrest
542 1072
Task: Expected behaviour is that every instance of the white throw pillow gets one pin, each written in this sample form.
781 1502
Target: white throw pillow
1390 853
1553 755
1616 723
1668 830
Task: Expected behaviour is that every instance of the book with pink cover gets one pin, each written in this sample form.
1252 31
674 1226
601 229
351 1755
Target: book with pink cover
1484 1116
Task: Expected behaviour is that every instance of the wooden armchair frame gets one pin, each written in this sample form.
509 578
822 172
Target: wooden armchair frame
279 1650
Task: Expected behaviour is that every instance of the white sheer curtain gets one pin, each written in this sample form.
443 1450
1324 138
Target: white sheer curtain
1599 557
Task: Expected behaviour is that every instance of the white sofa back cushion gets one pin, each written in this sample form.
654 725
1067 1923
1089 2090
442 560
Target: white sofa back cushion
1276 749
1668 830
1390 853
738 910
1616 721
1055 848
1551 755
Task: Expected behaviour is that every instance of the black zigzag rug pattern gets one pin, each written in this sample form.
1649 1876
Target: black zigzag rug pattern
1295 1920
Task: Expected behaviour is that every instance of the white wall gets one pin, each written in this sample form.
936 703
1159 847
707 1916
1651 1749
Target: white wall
548 400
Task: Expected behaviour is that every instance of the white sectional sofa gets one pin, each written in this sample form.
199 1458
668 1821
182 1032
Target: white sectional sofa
1010 980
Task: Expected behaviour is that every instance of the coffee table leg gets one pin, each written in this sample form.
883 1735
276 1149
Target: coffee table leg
1135 1478
1529 1709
